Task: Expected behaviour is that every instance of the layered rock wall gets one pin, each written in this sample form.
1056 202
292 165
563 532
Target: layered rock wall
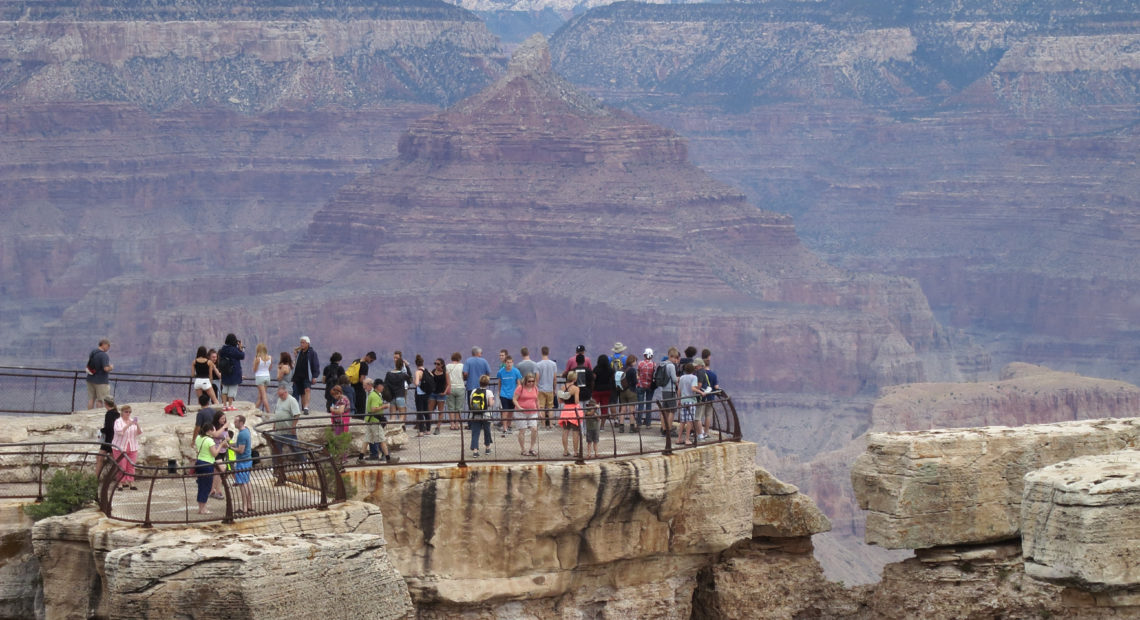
634 532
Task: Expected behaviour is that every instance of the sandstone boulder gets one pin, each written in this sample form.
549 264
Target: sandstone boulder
249 576
779 510
1080 522
945 487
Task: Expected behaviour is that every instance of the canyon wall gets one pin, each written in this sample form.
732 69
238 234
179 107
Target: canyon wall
984 149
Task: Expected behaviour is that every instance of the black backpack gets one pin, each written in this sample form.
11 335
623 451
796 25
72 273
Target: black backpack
427 382
225 365
661 376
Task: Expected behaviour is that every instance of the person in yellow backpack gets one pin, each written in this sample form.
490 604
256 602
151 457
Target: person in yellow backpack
357 372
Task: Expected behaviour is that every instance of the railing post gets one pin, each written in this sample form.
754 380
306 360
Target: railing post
35 388
462 443
581 460
74 386
40 474
668 433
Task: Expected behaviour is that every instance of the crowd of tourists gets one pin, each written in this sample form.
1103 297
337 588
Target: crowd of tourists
522 395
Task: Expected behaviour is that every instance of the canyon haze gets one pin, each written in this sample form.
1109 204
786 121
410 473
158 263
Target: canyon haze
836 197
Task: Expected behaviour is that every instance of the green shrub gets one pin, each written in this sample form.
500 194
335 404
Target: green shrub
339 446
67 491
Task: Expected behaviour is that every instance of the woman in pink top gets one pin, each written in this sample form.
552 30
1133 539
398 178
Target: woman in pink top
126 442
340 410
526 413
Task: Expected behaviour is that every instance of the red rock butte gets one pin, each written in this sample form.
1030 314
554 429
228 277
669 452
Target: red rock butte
530 212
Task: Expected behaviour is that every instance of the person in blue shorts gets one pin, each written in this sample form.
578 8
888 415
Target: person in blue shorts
243 450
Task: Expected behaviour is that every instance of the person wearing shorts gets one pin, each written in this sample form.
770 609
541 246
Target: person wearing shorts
99 368
456 390
526 414
547 371
243 451
373 429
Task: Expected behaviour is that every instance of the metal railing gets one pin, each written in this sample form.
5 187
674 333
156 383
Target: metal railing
25 468
443 437
54 391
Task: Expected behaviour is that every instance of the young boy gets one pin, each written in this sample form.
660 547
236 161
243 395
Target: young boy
593 423
686 389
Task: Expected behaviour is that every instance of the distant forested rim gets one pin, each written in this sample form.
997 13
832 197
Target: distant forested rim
877 13
40 10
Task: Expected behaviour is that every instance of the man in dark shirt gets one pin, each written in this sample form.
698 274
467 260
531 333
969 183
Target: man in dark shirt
307 370
205 415
98 368
359 395
108 433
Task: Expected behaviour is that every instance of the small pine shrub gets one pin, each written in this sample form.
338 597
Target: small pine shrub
67 491
339 446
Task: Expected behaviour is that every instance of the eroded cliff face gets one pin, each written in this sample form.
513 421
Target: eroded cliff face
623 535
985 149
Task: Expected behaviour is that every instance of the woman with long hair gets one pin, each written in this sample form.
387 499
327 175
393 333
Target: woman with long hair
207 451
603 387
423 418
285 370
202 369
438 398
571 417
262 363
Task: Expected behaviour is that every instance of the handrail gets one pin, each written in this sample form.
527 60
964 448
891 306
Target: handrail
303 479
725 427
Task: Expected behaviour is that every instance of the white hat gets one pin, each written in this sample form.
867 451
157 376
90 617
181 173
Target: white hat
648 353
304 339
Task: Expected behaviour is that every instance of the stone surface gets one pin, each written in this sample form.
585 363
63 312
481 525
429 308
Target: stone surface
553 534
1080 522
73 549
780 510
164 436
246 576
944 487
21 589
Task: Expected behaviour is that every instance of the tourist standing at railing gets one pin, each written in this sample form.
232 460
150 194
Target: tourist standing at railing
645 389
230 356
545 372
706 410
625 387
425 384
99 369
306 370
285 370
262 364
456 390
592 420
331 377
571 418
126 442
206 451
243 451
356 378
340 410
526 401
474 368
617 356
603 382
374 423
704 390
220 437
438 398
668 385
509 378
107 434
481 403
687 391
526 365
285 416
395 381
584 373
203 370
215 374
574 363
